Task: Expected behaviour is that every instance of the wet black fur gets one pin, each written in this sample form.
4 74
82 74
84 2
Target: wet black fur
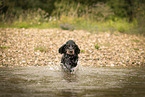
69 61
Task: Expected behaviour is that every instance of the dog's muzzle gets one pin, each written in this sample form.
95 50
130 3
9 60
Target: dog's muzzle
70 52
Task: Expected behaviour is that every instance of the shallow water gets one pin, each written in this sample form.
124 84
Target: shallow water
50 81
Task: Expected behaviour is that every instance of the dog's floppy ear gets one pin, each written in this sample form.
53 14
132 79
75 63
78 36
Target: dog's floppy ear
62 49
77 50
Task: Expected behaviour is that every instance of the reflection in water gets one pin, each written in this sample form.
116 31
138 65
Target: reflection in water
88 81
67 93
69 77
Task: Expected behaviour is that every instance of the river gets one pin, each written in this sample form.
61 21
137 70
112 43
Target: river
50 81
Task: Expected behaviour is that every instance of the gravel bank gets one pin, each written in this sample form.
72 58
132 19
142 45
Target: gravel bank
37 47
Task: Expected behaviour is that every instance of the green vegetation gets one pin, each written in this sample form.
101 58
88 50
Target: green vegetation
82 51
97 46
41 49
135 40
122 16
3 47
136 49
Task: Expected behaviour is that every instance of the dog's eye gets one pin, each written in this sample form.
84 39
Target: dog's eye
73 45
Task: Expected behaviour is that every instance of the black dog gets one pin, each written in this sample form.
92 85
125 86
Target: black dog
70 53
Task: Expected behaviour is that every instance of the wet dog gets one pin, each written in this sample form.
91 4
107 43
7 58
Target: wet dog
70 53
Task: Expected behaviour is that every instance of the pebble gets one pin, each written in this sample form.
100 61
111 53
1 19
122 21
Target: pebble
18 47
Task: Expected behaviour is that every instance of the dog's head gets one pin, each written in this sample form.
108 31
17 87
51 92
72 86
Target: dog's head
69 48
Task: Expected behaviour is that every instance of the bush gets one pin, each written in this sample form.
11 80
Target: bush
25 19
70 15
121 29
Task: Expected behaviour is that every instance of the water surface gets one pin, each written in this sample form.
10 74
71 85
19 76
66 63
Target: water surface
50 81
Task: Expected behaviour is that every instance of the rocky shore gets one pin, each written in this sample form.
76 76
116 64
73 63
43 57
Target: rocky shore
38 47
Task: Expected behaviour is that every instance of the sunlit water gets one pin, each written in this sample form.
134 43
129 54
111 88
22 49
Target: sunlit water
50 81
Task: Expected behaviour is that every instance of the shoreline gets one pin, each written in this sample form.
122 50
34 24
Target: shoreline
39 47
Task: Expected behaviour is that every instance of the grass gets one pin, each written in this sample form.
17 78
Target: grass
69 19
135 40
78 23
41 49
3 47
135 49
97 46
82 51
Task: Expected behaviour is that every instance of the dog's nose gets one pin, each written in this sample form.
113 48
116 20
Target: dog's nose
71 51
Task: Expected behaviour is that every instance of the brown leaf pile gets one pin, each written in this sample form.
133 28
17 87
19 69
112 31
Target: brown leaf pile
37 47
